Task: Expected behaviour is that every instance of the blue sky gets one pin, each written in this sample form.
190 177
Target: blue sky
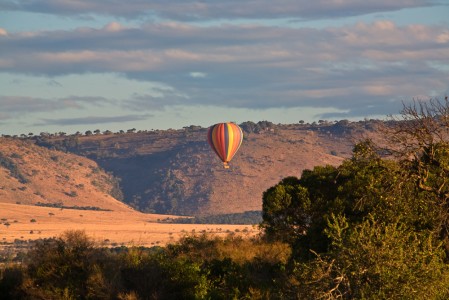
77 65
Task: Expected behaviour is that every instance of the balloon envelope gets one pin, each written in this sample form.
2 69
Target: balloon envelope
225 139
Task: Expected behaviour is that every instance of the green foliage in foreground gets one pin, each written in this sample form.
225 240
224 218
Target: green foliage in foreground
363 230
197 267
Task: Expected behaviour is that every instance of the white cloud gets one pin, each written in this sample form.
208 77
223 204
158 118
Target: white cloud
443 38
114 26
198 74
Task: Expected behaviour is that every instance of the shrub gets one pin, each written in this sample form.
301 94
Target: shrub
70 266
12 167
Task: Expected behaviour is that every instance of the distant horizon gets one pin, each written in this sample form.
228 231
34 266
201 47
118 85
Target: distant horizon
137 130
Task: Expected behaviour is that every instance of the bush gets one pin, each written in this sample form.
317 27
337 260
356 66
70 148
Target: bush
11 279
70 266
12 167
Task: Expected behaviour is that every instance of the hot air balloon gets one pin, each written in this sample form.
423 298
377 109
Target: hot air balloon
225 139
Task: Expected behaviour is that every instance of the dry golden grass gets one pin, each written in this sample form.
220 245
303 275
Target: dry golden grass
129 228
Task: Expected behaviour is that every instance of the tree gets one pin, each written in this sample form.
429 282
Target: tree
419 139
377 226
374 260
286 210
69 267
298 210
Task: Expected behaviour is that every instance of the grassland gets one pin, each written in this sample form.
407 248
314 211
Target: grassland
129 228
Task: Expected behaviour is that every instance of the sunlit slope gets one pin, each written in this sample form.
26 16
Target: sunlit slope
30 174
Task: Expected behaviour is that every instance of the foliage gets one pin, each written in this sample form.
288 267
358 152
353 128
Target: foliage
158 277
374 260
362 230
286 210
374 227
250 127
197 267
10 165
62 206
69 266
247 217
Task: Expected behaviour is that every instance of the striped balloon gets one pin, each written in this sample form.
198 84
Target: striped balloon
225 139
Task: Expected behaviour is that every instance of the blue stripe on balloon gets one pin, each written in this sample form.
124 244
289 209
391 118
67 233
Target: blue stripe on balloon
226 140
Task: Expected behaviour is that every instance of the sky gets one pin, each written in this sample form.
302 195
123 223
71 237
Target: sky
78 65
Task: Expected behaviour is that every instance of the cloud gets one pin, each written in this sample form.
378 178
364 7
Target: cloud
171 48
4 116
247 66
12 106
93 120
84 100
54 83
211 9
18 104
165 98
197 74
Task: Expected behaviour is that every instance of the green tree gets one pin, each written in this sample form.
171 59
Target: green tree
377 226
419 139
374 260
68 267
298 210
286 210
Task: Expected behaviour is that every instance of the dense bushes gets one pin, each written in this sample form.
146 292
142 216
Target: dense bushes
363 230
200 267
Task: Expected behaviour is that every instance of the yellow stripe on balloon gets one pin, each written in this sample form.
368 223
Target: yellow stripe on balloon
230 141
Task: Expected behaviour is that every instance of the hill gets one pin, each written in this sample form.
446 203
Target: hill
33 175
175 171
44 192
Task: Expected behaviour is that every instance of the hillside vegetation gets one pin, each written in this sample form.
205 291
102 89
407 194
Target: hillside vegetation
175 171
